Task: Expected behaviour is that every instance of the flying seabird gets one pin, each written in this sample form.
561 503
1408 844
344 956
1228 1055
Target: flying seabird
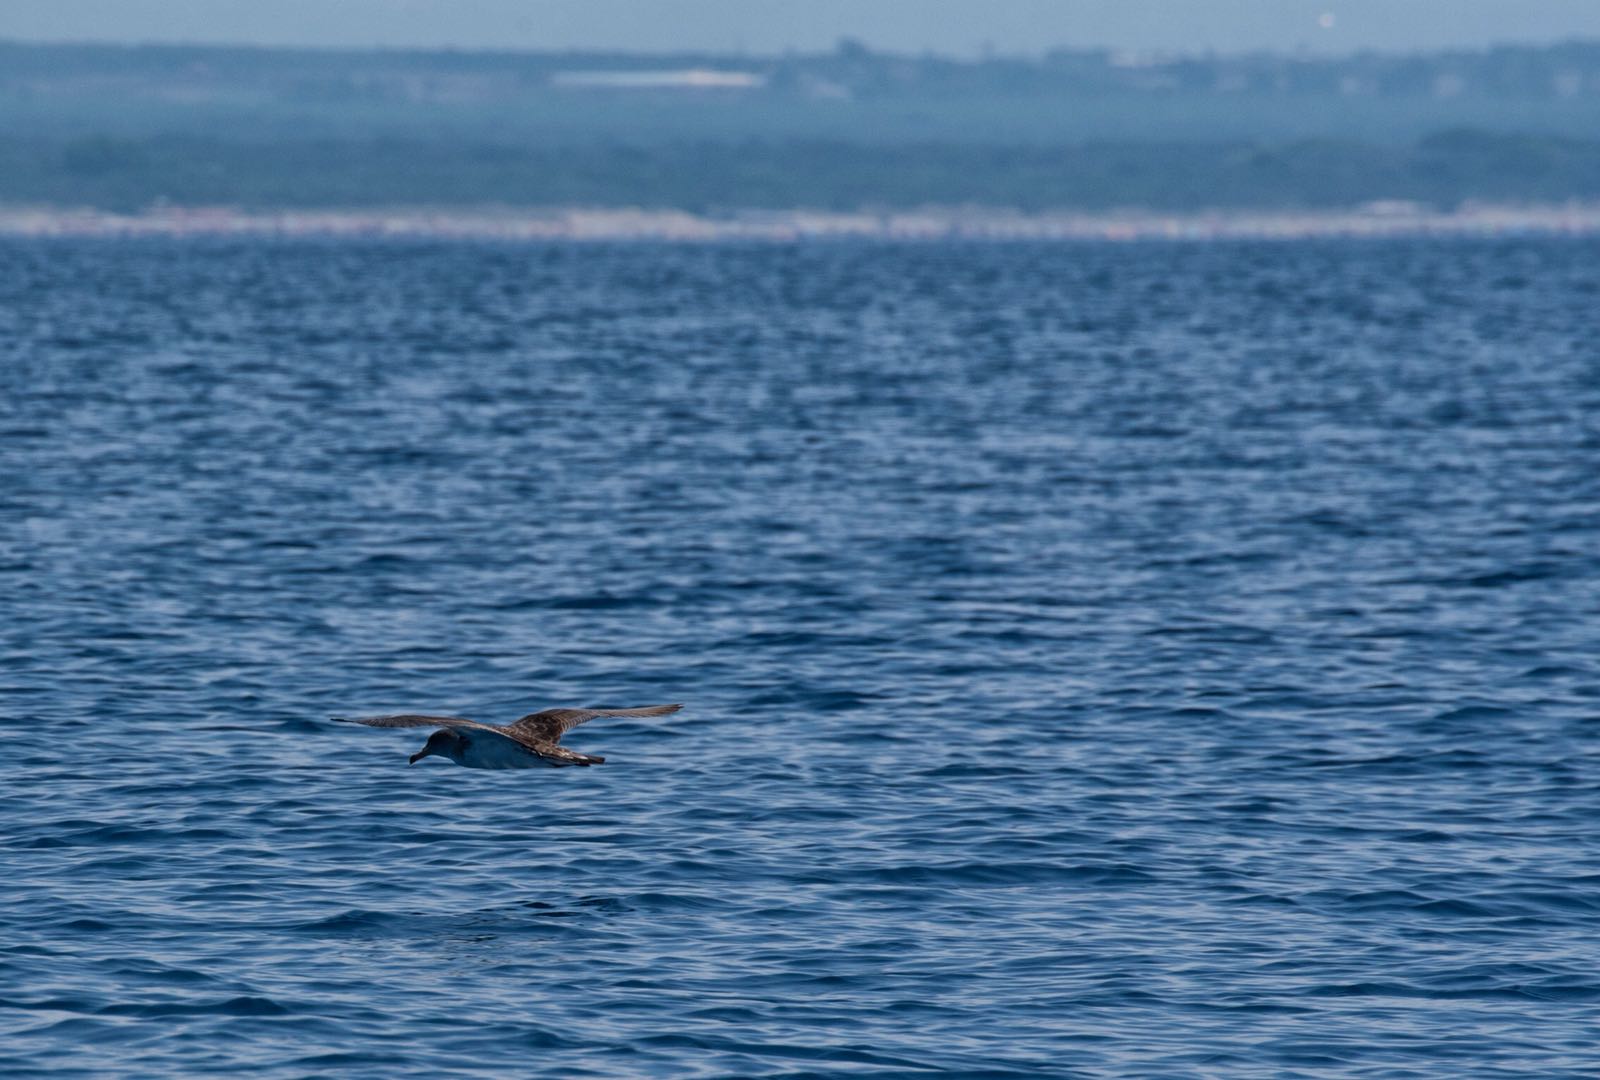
528 743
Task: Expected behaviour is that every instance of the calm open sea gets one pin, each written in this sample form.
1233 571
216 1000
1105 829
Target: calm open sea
1175 661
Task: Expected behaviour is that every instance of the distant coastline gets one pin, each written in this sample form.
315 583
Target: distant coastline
574 224
1055 146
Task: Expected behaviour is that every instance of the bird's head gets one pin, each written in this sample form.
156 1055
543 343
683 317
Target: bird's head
441 742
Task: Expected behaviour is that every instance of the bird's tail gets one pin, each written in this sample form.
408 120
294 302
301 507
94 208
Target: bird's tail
560 756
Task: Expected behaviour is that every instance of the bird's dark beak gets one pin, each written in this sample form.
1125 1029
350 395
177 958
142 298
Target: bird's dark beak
419 755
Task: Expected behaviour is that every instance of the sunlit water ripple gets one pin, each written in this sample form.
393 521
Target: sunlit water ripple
1151 661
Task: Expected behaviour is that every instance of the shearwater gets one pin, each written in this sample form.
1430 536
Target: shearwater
528 743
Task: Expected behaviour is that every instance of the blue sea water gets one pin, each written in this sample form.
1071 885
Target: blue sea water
1174 661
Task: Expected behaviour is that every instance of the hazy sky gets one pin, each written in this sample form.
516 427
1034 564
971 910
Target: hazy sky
953 26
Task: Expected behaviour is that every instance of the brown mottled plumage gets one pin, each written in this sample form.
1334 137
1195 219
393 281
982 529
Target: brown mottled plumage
525 743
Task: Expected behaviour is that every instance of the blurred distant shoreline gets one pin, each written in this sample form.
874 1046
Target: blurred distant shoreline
724 146
587 224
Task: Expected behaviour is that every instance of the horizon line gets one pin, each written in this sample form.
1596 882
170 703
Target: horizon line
1378 219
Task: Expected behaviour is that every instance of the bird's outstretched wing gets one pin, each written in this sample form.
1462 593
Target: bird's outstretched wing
413 720
548 726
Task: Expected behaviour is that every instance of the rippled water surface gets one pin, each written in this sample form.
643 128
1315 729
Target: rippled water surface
1148 661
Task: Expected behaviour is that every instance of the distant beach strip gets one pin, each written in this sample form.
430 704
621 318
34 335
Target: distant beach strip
1377 219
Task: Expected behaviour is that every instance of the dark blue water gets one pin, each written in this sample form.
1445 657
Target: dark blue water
1143 661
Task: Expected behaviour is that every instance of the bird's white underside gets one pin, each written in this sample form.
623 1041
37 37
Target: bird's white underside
486 750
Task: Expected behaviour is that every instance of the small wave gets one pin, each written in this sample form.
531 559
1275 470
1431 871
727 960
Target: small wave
997 873
1468 713
245 1005
346 921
